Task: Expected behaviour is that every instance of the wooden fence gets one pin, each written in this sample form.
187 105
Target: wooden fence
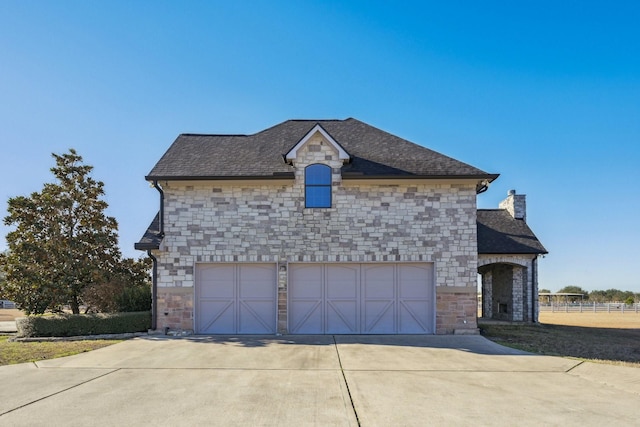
607 307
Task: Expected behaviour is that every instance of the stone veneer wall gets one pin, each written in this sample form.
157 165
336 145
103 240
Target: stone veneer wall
516 205
260 221
175 308
456 310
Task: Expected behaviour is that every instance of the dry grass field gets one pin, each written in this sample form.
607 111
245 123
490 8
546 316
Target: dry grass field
628 320
8 314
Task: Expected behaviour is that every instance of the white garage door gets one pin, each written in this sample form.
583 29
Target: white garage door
361 298
235 299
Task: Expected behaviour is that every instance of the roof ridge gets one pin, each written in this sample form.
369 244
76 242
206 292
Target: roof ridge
295 120
317 120
213 134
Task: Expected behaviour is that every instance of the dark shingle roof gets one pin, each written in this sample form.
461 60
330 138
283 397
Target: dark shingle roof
373 153
500 233
152 238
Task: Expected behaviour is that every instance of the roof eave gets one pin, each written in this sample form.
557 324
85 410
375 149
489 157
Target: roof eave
536 252
349 175
146 246
274 176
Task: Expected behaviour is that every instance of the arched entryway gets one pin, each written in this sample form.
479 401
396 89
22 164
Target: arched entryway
508 292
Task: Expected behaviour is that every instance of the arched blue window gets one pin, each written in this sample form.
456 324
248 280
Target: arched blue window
317 186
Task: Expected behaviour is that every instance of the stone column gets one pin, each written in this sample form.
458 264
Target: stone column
282 298
487 294
517 294
531 297
534 290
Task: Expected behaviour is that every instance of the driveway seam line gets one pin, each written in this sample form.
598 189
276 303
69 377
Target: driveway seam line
189 368
346 383
57 392
574 367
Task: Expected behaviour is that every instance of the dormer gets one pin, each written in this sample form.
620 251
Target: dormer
315 132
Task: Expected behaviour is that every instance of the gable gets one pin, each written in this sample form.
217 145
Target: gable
317 129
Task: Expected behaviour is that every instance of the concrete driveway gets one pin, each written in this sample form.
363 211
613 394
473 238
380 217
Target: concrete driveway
316 380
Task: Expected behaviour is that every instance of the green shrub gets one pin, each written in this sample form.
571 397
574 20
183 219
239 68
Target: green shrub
132 299
117 296
68 325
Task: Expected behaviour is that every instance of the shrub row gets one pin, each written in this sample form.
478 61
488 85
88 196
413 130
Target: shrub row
69 325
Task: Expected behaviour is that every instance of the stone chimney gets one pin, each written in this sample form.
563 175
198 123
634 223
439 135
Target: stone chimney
516 205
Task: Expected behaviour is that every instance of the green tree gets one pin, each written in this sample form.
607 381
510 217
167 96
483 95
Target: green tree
616 295
574 290
598 296
3 280
62 242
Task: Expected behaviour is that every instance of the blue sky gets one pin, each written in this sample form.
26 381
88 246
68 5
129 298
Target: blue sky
545 93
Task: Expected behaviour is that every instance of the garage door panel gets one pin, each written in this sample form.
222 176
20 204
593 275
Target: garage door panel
256 282
212 272
379 317
309 280
256 317
413 317
259 290
216 282
413 282
342 317
415 297
413 290
342 281
255 272
378 299
235 299
341 301
306 317
342 290
217 290
216 317
378 282
305 308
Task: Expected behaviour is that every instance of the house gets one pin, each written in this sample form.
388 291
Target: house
318 227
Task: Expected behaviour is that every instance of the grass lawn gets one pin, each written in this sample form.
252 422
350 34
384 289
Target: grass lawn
21 352
577 335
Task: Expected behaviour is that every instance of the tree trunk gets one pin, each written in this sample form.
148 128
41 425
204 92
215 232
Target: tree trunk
75 307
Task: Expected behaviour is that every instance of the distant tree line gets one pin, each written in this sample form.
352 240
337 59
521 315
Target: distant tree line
598 296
